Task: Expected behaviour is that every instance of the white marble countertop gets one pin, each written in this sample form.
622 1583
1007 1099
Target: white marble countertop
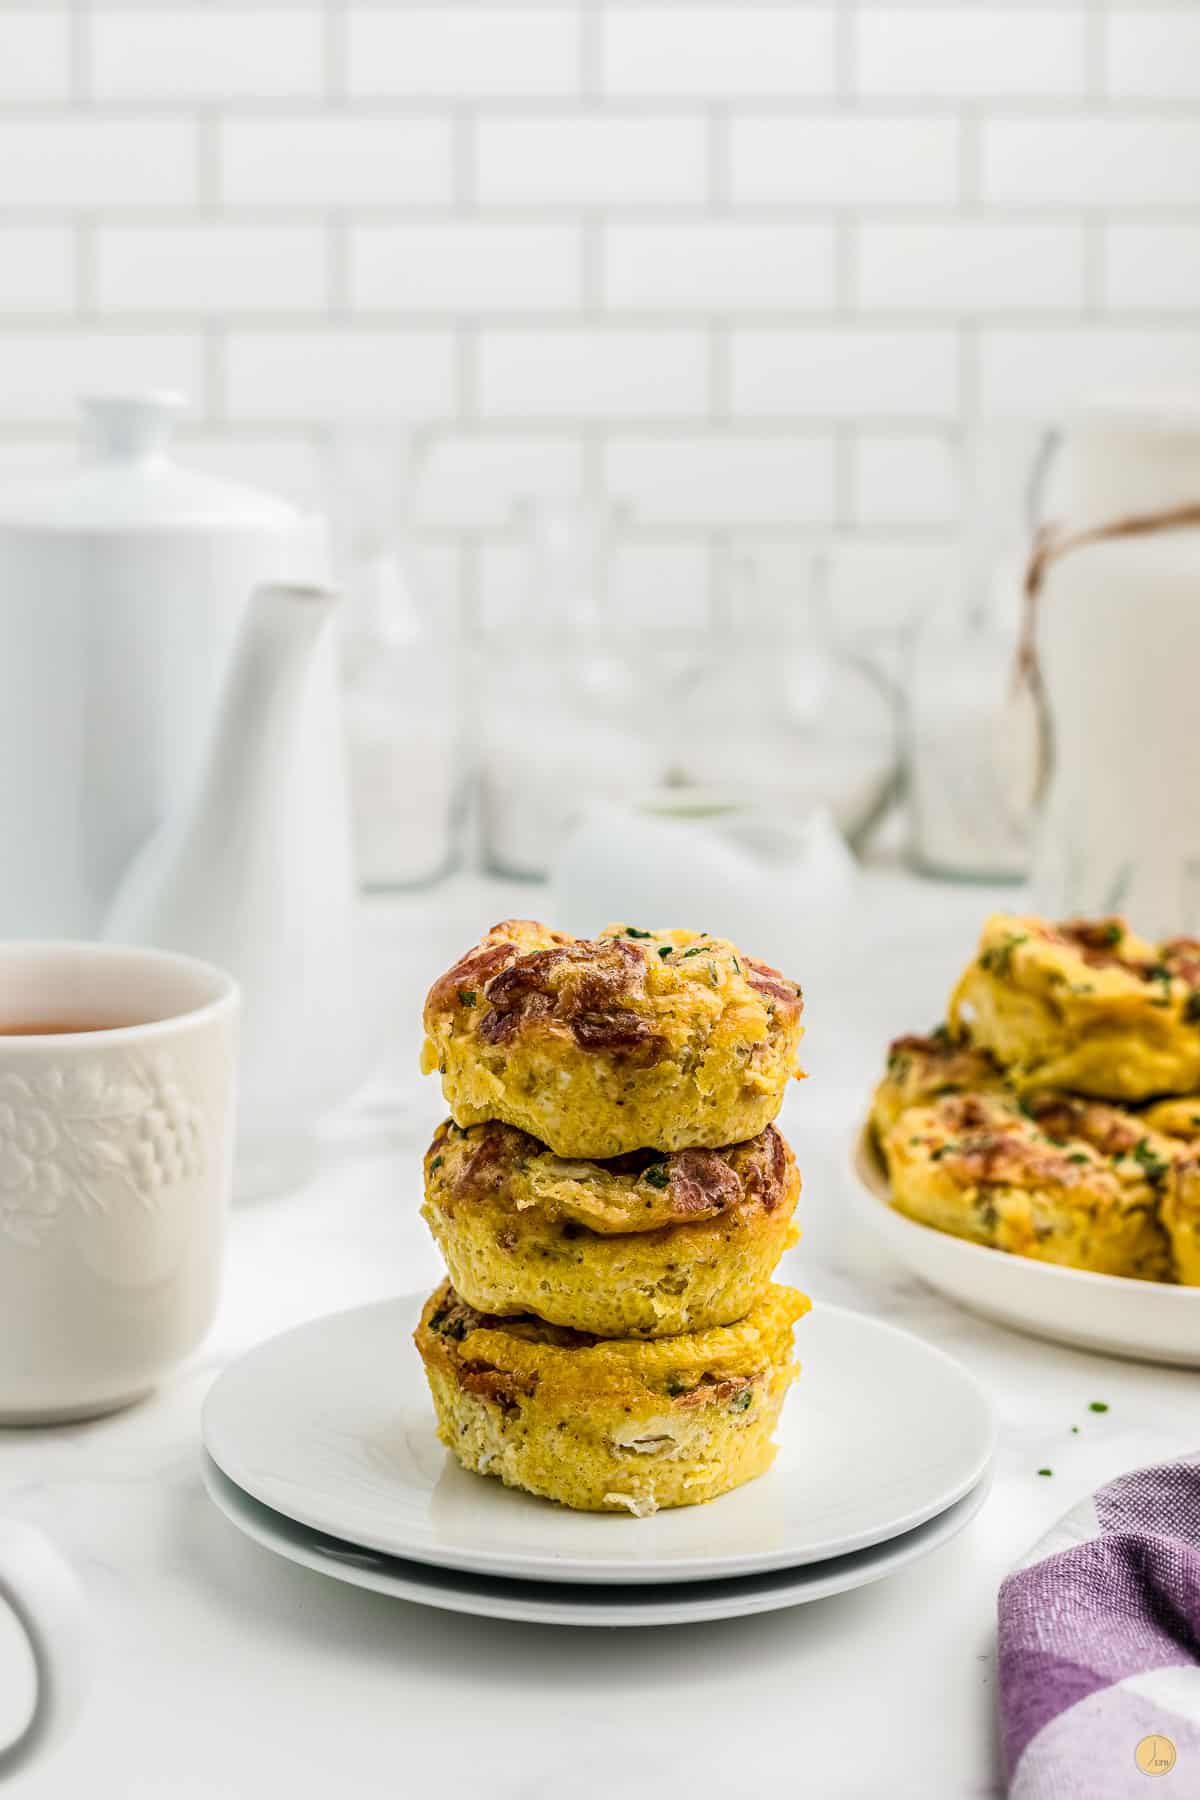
225 1672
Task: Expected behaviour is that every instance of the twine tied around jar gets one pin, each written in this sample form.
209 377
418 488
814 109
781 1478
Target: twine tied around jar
1050 542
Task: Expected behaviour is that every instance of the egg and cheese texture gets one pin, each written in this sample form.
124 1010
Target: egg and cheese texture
609 1425
665 1040
1085 1005
921 1069
1180 1119
647 1245
1057 1178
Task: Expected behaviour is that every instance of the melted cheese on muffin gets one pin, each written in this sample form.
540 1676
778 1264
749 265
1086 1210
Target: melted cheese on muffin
920 1069
1084 1005
1066 1180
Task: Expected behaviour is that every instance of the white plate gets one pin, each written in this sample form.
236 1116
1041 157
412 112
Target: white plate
1148 1320
553 1603
332 1425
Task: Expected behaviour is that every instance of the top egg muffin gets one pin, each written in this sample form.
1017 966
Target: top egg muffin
1085 1005
662 1040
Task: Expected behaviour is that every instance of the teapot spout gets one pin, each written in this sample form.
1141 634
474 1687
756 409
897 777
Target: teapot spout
254 873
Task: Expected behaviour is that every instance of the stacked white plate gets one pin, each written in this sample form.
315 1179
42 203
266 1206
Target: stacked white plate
321 1446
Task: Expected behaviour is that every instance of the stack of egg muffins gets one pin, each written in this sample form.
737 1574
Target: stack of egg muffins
611 1198
1056 1113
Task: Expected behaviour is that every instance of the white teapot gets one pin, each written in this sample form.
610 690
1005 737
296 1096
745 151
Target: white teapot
122 584
171 751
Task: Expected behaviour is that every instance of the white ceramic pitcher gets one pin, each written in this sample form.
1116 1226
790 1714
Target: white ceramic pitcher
122 584
171 769
1117 631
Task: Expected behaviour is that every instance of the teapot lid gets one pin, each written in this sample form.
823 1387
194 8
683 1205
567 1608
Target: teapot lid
127 480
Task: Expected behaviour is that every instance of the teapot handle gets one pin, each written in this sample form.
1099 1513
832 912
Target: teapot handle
42 1590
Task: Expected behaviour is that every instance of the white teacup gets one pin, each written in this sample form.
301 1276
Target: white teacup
116 1134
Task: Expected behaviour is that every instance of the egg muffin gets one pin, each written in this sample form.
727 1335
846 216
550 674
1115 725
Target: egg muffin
645 1245
920 1069
1056 1178
609 1425
1084 1005
663 1040
1180 1120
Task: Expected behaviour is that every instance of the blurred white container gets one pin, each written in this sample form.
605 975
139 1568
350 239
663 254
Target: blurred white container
564 720
400 675
1118 646
784 714
710 862
969 745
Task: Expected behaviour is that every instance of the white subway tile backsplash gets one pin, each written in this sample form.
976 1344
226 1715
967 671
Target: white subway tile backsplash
588 374
37 269
844 373
195 53
340 374
1091 162
35 55
211 268
756 268
845 159
874 586
969 52
478 481
1152 55
1156 267
904 480
711 267
1042 374
465 267
664 585
463 51
82 162
723 480
722 51
42 373
591 159
336 161
968 265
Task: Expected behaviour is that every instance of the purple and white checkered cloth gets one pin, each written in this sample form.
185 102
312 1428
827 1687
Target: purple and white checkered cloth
1099 1646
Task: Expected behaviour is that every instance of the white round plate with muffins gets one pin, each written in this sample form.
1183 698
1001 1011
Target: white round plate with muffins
588 1604
1110 1314
330 1424
1037 1155
611 1196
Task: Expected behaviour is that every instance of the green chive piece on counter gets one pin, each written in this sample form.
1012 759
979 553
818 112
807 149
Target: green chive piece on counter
1097 1405
1045 1471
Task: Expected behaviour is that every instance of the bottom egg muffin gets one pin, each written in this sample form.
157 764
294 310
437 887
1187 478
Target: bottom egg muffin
614 1425
644 1245
1056 1178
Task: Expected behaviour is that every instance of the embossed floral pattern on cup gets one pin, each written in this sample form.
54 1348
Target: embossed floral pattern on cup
83 1133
